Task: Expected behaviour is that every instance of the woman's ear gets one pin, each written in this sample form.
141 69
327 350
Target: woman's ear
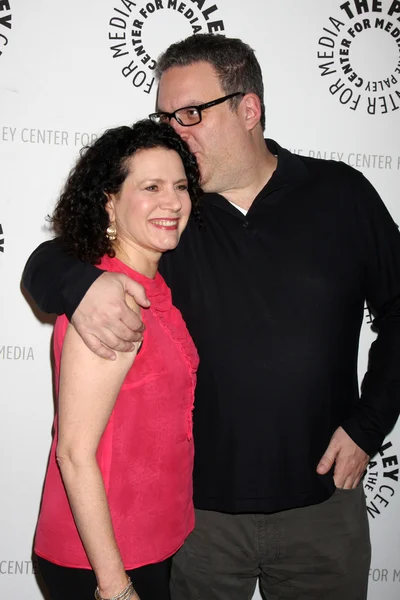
110 207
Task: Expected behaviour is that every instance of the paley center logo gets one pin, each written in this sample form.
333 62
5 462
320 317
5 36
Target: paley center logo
132 33
381 480
359 55
5 23
1 239
16 352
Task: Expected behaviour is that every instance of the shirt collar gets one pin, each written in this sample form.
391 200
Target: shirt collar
290 169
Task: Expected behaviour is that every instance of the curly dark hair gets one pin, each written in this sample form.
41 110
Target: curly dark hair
80 217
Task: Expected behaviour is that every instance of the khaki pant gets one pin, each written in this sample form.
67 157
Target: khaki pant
317 552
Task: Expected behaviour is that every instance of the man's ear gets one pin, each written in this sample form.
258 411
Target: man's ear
251 107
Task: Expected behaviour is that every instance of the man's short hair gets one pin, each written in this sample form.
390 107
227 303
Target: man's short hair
234 61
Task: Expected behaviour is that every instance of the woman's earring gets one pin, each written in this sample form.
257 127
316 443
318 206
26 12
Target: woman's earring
111 232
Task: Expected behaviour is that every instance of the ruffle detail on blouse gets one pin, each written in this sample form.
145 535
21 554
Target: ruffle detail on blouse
171 320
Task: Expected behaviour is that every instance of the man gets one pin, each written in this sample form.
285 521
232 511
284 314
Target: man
272 288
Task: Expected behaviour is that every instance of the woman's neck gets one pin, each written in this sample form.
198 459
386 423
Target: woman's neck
137 259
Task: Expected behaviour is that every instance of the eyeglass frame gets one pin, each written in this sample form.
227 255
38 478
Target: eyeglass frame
198 107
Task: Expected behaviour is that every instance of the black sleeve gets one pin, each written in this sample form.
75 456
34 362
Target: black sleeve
378 408
57 281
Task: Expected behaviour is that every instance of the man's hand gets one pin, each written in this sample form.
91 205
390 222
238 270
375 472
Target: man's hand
104 320
350 461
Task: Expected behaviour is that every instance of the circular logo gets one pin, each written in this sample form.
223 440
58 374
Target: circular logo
136 29
359 55
5 23
381 479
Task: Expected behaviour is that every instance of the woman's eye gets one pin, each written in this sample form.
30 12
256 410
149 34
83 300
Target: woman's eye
182 186
151 188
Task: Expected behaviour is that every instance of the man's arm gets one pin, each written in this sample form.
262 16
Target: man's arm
56 280
92 299
377 410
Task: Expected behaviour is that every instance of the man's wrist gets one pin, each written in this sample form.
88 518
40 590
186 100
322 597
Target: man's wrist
368 440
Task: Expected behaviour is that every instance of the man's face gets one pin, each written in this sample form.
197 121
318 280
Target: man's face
216 141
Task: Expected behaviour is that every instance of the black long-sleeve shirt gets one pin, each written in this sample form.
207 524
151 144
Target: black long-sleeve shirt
274 301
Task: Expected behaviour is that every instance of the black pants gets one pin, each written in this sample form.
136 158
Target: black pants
151 582
319 552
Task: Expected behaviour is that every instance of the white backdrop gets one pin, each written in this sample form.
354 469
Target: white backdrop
71 69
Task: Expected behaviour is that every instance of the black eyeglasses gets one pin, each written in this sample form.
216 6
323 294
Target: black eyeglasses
189 115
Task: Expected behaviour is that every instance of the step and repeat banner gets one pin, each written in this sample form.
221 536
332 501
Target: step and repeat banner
68 71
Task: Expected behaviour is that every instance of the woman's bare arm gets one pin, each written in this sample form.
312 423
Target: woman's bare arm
89 386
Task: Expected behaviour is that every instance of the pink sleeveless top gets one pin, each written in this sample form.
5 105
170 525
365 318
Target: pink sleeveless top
146 452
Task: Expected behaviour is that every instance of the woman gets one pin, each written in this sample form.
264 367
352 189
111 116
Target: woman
117 500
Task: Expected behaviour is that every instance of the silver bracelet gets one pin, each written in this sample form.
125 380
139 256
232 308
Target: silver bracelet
126 593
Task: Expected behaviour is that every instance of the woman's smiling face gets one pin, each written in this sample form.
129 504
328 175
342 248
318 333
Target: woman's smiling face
153 206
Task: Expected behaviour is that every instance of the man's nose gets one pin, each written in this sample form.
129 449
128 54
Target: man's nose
181 130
